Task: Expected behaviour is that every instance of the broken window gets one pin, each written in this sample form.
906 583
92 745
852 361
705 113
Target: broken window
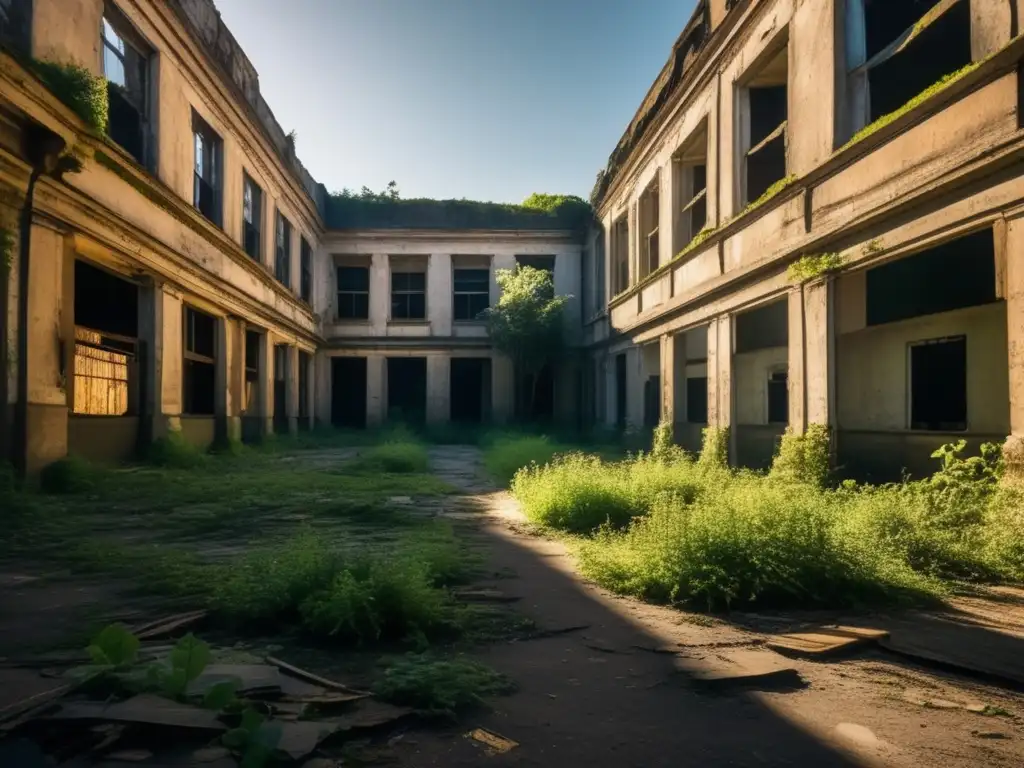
895 49
690 180
472 289
763 126
353 293
200 363
938 385
304 365
252 217
126 67
252 371
408 295
778 397
206 192
620 255
306 271
283 250
649 220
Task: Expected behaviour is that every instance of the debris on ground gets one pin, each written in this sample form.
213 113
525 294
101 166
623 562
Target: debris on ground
493 741
826 641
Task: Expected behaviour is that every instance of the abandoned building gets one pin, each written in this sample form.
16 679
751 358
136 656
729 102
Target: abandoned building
811 219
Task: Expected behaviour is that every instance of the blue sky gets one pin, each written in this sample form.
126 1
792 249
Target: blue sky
483 99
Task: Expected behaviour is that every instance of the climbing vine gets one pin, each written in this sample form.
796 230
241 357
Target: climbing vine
84 92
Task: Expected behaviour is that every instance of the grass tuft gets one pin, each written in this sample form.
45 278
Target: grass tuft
175 452
393 458
67 476
507 454
440 687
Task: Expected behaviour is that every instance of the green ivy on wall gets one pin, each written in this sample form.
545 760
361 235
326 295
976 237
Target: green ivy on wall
84 92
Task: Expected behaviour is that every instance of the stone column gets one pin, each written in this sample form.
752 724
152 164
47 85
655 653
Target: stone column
160 317
667 359
634 388
1013 450
376 390
265 398
291 389
438 389
380 291
720 399
439 295
230 378
812 355
502 389
797 358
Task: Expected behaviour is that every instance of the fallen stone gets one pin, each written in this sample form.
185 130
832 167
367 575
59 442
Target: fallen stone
825 641
370 714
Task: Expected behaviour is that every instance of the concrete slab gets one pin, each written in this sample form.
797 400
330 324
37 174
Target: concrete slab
825 641
741 667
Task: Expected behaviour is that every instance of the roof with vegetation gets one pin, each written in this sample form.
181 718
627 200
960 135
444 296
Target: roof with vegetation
387 210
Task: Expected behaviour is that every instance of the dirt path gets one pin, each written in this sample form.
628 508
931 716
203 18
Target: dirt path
613 693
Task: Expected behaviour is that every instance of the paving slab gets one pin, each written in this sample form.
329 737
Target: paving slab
825 641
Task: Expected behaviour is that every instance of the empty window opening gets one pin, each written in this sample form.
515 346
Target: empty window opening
938 385
954 275
690 182
620 255
252 217
106 373
253 340
895 49
305 271
200 362
470 390
697 399
281 388
208 148
778 397
763 124
472 293
407 389
126 66
348 392
649 219
620 391
283 250
353 293
305 362
766 327
408 295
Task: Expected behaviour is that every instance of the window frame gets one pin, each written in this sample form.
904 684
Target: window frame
305 270
282 249
340 292
406 294
189 355
257 211
209 162
129 37
776 375
486 293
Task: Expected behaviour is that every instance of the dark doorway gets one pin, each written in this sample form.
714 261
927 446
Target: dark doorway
938 385
697 400
348 392
652 401
620 391
535 396
407 389
281 388
470 389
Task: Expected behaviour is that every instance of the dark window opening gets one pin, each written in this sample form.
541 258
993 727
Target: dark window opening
408 295
652 401
763 328
938 385
200 362
535 396
690 182
252 218
778 397
954 275
620 255
897 49
106 372
353 293
306 271
697 400
620 391
281 388
283 250
348 392
252 371
126 67
206 192
544 263
649 210
472 293
470 389
304 366
407 389
766 159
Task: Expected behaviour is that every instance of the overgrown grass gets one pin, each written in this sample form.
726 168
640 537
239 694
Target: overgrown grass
393 457
440 686
665 528
507 454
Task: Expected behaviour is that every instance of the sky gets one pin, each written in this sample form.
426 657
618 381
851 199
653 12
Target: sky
482 99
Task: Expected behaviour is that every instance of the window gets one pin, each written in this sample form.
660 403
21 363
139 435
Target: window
690 180
938 385
649 219
697 400
304 364
895 49
200 362
778 397
472 293
353 293
306 272
281 388
283 250
408 295
207 187
252 371
620 255
126 68
252 217
763 139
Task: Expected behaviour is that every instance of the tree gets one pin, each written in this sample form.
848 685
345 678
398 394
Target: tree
527 326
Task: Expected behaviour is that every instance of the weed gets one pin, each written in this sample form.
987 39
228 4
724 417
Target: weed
393 457
506 455
804 458
714 450
438 686
67 476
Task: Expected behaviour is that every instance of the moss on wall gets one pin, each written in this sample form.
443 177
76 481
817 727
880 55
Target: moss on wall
84 92
811 266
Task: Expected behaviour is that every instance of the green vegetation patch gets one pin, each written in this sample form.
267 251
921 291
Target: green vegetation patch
440 686
809 267
81 90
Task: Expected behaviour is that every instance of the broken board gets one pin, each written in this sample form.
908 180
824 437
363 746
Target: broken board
825 641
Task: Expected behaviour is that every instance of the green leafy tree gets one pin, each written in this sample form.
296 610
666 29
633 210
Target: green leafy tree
527 326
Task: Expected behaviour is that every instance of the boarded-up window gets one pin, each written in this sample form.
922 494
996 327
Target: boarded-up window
104 366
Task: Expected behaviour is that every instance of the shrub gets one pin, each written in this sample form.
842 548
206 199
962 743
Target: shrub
714 449
81 90
1004 534
174 452
436 686
804 458
508 454
393 458
68 475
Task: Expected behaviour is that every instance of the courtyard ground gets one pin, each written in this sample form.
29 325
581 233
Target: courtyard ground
601 679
